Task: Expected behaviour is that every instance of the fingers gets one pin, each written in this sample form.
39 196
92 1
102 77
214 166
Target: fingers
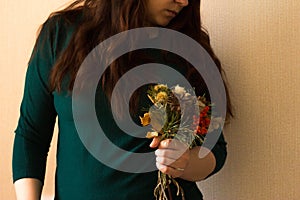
174 172
173 144
172 157
173 154
155 142
165 161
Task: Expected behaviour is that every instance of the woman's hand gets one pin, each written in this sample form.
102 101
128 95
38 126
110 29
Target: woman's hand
172 156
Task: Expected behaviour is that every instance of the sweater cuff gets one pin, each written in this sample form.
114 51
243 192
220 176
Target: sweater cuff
29 161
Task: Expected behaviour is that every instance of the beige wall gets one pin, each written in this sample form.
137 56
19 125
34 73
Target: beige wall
259 45
19 22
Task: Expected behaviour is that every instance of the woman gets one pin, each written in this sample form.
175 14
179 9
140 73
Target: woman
64 41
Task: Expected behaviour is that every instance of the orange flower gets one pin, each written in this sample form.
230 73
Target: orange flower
145 120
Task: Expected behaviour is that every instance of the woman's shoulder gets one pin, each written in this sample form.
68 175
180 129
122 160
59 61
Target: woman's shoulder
56 32
54 35
68 20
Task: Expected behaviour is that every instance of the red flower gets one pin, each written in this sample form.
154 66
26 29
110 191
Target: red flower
201 122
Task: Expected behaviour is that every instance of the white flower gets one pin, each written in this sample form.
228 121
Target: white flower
187 95
179 90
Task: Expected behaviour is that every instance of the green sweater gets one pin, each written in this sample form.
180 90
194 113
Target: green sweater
78 174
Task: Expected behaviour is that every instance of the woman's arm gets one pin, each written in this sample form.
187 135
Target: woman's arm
37 118
175 159
28 189
198 168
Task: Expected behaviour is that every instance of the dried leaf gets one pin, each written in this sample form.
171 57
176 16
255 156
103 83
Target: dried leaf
151 135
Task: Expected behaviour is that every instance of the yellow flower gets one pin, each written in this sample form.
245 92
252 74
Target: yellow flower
160 87
145 120
161 97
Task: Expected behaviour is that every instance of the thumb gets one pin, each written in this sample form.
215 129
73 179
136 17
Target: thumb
155 142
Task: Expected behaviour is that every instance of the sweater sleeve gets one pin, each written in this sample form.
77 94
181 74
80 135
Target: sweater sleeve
37 113
220 153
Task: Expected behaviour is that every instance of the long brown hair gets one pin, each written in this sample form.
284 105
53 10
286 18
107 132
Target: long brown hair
104 18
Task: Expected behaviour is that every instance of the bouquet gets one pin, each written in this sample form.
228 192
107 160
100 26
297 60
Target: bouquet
177 114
